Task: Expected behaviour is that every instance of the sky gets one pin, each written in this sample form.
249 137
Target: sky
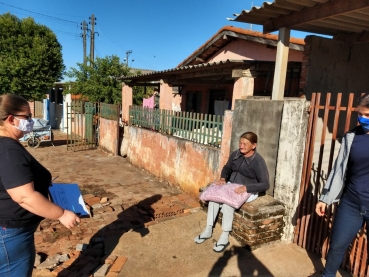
160 33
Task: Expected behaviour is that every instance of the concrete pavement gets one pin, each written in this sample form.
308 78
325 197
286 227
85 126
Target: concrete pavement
147 224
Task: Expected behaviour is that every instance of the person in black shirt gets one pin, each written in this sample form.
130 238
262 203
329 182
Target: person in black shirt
246 167
24 186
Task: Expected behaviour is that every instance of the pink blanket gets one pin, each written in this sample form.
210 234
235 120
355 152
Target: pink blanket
225 194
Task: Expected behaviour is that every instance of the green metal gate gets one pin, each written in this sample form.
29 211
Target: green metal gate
82 125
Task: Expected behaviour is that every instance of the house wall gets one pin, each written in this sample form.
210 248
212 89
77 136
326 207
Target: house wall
180 162
109 135
334 66
248 50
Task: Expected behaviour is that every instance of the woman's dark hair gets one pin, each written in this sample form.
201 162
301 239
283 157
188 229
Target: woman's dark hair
364 100
250 136
11 104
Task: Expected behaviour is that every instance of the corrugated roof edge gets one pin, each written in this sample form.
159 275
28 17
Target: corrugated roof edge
244 32
184 67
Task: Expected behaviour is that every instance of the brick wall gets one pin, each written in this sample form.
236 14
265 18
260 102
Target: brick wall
258 222
109 135
305 65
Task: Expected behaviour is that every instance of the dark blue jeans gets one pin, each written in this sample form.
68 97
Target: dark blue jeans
17 251
349 219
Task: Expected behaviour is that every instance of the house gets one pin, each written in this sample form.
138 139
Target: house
336 69
233 64
236 68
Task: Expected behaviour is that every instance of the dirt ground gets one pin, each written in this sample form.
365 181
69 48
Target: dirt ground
149 224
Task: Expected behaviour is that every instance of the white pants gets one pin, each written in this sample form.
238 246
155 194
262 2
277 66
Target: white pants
227 211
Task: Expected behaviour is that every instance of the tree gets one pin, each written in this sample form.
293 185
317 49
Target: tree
30 57
139 93
99 82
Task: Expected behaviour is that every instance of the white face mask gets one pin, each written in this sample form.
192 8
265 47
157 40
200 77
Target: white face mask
25 125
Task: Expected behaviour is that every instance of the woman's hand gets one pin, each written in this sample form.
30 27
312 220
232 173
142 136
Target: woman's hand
69 219
240 190
221 181
320 208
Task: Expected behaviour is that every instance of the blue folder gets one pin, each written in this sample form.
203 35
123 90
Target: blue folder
68 196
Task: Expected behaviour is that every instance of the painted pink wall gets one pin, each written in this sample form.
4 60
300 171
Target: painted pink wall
248 50
109 135
180 162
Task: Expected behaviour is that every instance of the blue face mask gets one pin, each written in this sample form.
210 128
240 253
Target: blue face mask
364 122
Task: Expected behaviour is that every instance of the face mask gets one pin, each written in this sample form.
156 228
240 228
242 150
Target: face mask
364 122
25 125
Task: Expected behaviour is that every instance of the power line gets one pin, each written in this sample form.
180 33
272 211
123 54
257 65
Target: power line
49 16
120 45
66 33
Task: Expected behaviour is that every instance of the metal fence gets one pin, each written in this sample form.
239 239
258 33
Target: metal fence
110 111
200 128
82 124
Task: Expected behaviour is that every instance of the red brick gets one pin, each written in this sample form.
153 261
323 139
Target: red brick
181 214
88 196
118 264
147 224
57 270
75 254
193 204
267 221
109 259
92 201
111 274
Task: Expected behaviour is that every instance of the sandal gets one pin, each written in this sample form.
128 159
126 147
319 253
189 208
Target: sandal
200 240
224 246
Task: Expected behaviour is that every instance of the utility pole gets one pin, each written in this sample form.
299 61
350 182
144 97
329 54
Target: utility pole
127 55
92 42
84 28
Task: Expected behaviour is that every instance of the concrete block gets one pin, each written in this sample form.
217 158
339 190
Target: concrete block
37 260
104 200
51 262
81 247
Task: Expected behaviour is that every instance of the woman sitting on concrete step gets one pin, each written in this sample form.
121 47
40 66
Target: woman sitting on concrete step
247 167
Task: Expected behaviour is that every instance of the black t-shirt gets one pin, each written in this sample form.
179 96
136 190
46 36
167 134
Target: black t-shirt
357 178
17 168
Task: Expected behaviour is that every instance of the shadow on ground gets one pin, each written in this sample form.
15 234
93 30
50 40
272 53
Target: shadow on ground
96 254
247 263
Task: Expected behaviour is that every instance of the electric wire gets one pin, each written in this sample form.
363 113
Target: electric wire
41 14
118 43
67 22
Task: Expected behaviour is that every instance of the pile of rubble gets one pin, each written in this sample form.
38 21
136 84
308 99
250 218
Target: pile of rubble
80 251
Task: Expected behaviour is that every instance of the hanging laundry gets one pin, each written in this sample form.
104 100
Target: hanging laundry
148 102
